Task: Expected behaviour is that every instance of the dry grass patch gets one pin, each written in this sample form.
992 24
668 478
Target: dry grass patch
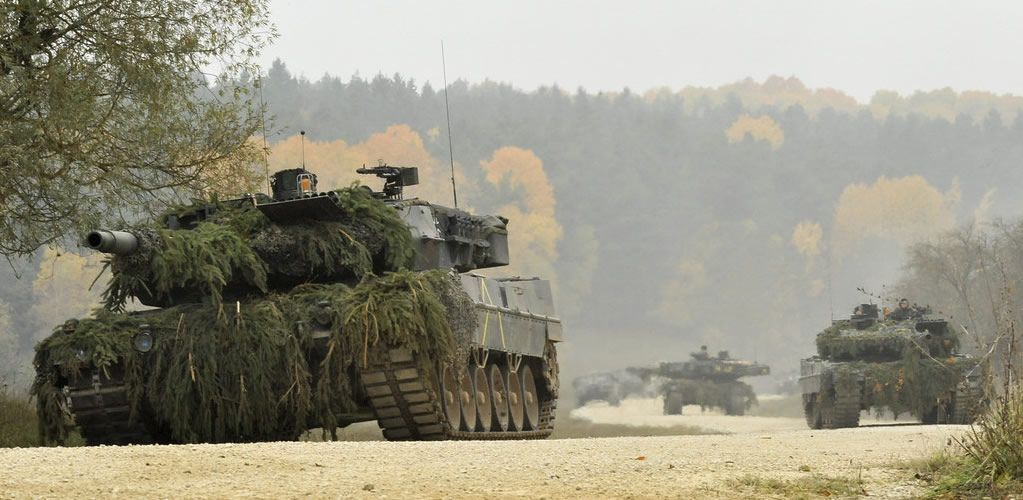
18 423
811 486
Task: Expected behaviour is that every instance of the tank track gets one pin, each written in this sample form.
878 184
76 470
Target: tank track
99 403
846 410
838 411
966 405
407 408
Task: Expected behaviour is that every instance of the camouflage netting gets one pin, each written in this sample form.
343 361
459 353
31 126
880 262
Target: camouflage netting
912 385
882 341
240 371
232 355
239 249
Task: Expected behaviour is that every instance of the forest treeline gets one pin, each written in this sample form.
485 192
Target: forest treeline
742 217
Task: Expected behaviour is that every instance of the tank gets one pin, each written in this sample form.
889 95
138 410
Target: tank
905 361
708 381
705 380
271 315
611 387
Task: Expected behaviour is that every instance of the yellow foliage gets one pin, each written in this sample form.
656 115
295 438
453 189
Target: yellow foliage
776 91
946 104
62 286
760 129
904 210
781 93
806 237
240 173
334 162
526 196
534 229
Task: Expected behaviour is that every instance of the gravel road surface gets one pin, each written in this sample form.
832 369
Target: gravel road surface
639 467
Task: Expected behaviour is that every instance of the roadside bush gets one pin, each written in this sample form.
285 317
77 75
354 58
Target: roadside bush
994 450
990 460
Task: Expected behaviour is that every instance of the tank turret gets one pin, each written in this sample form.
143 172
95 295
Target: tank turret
711 382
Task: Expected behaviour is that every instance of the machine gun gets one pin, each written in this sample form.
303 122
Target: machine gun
395 179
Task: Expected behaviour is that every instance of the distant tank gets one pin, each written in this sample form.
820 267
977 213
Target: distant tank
708 381
905 361
711 382
275 314
612 387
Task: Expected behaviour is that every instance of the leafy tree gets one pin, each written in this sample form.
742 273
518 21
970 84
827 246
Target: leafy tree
104 107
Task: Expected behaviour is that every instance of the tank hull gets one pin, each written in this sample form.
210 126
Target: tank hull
515 332
933 391
730 396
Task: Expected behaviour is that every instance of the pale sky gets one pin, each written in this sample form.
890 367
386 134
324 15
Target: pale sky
854 46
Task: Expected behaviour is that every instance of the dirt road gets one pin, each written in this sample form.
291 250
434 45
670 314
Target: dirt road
640 467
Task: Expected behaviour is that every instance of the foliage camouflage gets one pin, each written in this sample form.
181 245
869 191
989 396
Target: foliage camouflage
841 341
233 365
239 245
911 385
239 372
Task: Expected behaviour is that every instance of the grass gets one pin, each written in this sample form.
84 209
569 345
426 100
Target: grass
18 423
989 462
813 486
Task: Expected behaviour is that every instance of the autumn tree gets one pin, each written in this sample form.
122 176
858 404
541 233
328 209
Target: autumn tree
335 162
104 107
762 128
905 210
525 196
63 288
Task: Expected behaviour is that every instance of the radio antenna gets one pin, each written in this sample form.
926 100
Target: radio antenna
262 119
447 113
302 133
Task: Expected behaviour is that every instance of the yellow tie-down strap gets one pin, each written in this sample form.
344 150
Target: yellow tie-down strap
485 297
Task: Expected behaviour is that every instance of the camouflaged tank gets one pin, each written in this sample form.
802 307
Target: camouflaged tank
705 380
271 315
905 362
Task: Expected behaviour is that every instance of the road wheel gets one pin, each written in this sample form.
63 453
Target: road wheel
673 403
499 398
484 408
516 410
451 394
530 399
467 400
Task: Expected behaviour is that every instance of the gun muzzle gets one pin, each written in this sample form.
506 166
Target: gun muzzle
113 242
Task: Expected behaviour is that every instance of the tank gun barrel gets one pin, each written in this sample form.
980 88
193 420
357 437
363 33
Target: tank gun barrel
112 242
